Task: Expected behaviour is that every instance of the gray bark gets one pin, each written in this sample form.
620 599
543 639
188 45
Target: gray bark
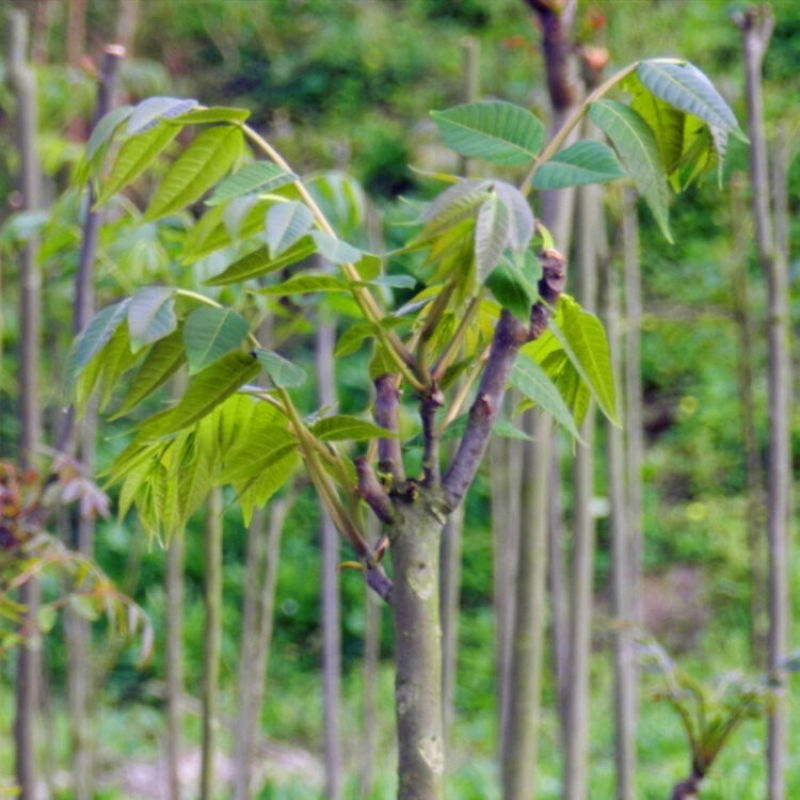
757 25
212 640
23 84
331 630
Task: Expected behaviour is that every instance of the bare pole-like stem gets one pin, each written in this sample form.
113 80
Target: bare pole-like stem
174 661
757 24
22 82
387 401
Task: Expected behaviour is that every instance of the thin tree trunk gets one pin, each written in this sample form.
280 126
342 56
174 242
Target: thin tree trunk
621 568
372 642
633 396
23 84
174 659
757 25
557 580
78 630
76 31
416 543
260 583
127 22
331 633
752 458
576 768
212 639
453 530
522 731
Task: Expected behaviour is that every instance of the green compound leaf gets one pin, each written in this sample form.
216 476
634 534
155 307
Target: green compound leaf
99 330
198 168
343 427
636 144
148 112
491 235
209 333
580 164
151 315
283 373
287 223
260 176
260 262
494 131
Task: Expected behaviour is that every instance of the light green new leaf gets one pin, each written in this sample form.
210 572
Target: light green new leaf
163 361
305 283
494 131
282 372
198 168
134 157
532 381
521 220
491 235
258 492
684 86
207 390
584 340
260 262
264 446
343 427
149 111
286 224
151 315
209 333
637 148
117 358
213 114
580 164
99 330
260 176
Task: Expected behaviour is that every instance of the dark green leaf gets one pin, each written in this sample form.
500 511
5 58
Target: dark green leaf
513 290
305 283
494 131
210 333
580 164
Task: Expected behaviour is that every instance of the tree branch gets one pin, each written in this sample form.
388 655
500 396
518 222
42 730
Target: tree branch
509 335
387 402
371 491
430 459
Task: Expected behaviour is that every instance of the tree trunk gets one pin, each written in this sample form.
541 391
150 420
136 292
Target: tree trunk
416 542
522 721
212 639
174 658
757 25
740 308
331 632
78 629
261 582
576 737
23 84
621 569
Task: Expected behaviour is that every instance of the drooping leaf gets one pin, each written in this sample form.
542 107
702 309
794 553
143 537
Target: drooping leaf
343 427
213 114
260 262
521 220
286 224
209 333
163 360
147 113
684 86
283 373
198 168
580 164
151 315
584 340
99 330
532 381
491 235
305 283
494 131
260 176
638 151
207 390
134 157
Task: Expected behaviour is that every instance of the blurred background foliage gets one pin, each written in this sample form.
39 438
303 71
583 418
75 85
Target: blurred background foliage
348 84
